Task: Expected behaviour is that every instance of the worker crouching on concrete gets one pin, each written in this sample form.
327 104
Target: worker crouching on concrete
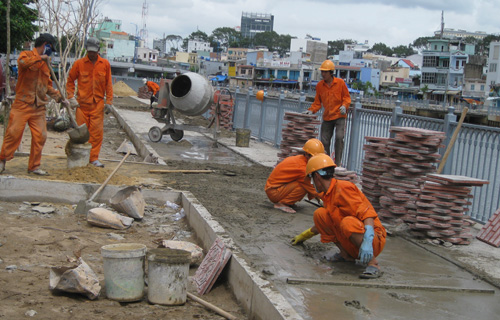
288 183
93 75
154 89
347 219
33 86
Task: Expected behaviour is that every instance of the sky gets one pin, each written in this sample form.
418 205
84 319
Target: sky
392 22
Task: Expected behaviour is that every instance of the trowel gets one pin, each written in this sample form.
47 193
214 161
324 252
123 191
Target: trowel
78 134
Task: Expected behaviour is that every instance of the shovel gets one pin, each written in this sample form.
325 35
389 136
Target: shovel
79 134
85 205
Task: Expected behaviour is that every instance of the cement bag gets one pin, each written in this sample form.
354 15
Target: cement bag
196 251
108 219
77 279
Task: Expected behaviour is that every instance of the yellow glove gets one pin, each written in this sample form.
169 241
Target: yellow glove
308 234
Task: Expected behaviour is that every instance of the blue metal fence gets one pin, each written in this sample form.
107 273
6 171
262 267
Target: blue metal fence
476 152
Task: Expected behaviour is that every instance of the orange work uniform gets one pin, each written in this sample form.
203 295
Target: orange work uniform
94 83
345 209
331 97
153 87
288 184
33 86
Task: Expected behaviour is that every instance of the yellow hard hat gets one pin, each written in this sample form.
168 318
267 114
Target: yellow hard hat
318 162
260 95
313 147
327 65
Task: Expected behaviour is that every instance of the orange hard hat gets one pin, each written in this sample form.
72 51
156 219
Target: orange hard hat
313 147
318 162
260 95
327 65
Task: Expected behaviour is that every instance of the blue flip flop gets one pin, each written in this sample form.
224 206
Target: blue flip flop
371 272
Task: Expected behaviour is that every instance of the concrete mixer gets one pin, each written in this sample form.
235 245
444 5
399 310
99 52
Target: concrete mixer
191 95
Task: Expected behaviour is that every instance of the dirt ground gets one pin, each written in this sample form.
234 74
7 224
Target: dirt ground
31 242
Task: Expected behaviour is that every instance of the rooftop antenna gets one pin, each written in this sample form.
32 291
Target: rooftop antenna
144 30
442 24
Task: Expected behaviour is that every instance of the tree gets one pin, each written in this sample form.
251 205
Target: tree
269 39
173 41
22 23
403 51
334 47
196 35
223 36
421 42
69 22
382 49
484 44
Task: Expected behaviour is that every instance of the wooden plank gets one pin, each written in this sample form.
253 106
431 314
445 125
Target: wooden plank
179 171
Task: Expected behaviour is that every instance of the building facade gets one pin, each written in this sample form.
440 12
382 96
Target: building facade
253 23
493 76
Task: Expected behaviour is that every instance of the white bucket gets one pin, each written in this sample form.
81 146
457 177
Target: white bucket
78 154
124 271
168 271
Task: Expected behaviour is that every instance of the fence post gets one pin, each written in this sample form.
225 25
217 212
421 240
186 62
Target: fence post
449 119
279 119
246 120
355 138
262 116
397 112
302 98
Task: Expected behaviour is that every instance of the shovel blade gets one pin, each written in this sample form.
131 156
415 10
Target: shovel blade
79 134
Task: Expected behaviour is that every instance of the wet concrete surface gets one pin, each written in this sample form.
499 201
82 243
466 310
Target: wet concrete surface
402 263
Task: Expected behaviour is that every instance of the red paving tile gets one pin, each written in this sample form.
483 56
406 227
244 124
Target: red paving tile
490 233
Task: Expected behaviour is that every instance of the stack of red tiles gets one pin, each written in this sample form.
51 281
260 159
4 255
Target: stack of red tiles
375 150
490 233
344 174
411 154
144 93
226 111
441 208
298 129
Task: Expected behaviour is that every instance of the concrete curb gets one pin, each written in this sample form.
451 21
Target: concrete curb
142 147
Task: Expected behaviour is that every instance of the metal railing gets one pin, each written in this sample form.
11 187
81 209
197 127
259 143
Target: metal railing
476 152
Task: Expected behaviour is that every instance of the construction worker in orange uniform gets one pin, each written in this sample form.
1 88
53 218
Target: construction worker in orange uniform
347 219
287 183
333 95
33 86
153 88
93 75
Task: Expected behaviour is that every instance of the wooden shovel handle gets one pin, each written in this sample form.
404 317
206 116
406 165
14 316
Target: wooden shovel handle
109 177
452 140
71 117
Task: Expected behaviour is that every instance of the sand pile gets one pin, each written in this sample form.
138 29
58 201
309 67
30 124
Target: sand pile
121 89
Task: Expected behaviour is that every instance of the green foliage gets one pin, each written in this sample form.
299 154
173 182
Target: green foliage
273 41
382 49
403 51
334 47
223 37
421 42
22 27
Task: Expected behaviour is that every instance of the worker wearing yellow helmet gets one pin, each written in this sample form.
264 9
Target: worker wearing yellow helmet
331 94
287 183
347 218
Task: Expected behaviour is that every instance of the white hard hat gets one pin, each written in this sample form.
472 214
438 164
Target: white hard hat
144 80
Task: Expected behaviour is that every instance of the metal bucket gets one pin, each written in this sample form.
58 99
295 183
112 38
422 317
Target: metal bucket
168 271
191 94
123 265
243 137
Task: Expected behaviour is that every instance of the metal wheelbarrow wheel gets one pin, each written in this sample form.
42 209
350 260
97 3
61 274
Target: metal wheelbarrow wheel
176 135
155 134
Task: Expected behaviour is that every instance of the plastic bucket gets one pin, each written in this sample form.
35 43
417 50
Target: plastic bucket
124 271
243 137
129 201
78 154
168 271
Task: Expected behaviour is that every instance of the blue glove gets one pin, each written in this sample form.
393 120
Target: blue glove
366 249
